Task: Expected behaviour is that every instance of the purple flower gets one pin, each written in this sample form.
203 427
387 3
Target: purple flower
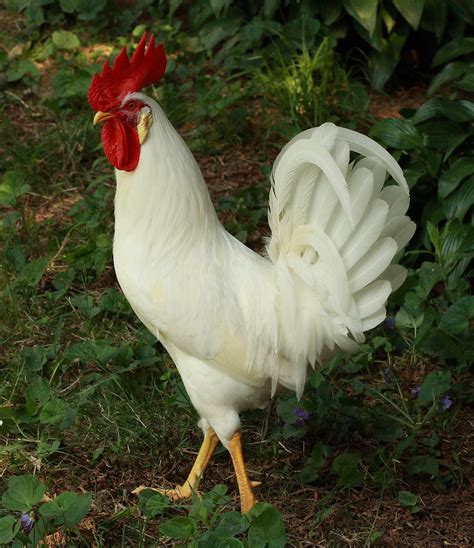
446 402
389 323
415 391
302 415
26 523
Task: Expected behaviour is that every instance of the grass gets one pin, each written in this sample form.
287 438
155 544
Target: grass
90 403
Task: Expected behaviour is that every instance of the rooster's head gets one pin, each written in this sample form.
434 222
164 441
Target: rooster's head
126 117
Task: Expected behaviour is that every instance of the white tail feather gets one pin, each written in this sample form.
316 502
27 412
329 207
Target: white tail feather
335 231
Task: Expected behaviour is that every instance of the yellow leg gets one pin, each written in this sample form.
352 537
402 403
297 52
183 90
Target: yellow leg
247 498
185 491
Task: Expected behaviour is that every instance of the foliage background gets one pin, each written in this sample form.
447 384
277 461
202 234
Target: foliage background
380 448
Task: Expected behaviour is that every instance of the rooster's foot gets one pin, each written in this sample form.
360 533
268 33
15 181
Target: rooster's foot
180 492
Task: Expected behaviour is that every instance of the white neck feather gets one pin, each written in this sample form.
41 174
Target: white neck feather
165 199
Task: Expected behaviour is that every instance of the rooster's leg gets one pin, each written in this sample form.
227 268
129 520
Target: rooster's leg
185 491
247 498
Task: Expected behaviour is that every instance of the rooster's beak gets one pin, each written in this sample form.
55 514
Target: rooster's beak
102 117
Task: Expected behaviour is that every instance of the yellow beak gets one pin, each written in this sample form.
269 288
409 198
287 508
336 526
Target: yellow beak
101 117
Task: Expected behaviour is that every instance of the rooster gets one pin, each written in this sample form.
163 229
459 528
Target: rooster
240 326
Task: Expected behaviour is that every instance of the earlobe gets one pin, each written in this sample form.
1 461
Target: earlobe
144 124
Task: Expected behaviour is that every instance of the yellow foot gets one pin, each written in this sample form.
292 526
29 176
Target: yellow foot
180 492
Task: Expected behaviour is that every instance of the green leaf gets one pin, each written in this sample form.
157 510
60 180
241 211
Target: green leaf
453 49
156 505
458 204
451 178
411 10
23 493
13 185
53 412
267 529
429 275
179 528
89 9
232 523
70 82
434 385
443 135
434 17
406 498
423 464
33 272
345 466
64 39
467 83
397 133
457 111
456 319
9 527
68 509
363 11
68 6
449 72
270 7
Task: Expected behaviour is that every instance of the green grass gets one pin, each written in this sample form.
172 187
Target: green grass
89 402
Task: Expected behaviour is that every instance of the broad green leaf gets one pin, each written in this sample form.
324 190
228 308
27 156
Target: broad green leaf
434 17
382 65
406 498
458 204
443 135
457 111
453 49
178 528
423 464
64 39
451 178
68 6
9 527
467 83
68 509
39 390
69 82
456 319
156 505
411 10
270 7
213 539
345 466
267 529
434 385
363 11
232 523
429 275
23 493
397 133
89 9
91 351
33 271
53 412
449 72
13 185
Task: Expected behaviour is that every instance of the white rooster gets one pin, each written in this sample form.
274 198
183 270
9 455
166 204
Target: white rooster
238 325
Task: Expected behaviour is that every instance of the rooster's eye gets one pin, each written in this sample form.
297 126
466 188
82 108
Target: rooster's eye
131 104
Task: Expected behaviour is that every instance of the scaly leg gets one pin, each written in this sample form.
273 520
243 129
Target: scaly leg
185 491
247 498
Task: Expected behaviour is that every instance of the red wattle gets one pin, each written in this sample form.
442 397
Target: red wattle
121 145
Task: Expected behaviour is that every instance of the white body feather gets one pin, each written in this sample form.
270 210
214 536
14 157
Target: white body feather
236 324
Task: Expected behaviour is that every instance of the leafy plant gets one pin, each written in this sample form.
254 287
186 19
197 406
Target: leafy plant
39 515
309 88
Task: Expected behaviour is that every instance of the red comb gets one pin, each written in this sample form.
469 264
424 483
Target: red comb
146 67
